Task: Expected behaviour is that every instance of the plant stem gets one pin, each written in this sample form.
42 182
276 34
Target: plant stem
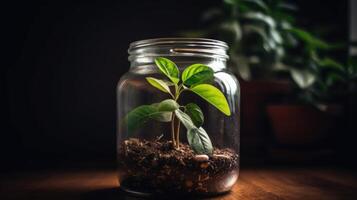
179 93
178 134
173 130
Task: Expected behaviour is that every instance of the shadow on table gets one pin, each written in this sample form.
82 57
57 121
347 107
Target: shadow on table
116 193
108 194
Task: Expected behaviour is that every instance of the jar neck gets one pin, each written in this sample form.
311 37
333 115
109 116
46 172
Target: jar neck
183 51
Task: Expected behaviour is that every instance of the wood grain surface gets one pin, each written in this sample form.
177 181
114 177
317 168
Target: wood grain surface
271 183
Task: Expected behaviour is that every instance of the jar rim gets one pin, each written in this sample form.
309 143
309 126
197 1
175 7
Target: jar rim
195 41
180 46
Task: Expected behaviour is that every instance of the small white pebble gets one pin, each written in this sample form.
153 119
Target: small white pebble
221 156
201 158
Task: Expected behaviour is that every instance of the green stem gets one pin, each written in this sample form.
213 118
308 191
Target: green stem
177 89
178 134
179 93
173 97
173 130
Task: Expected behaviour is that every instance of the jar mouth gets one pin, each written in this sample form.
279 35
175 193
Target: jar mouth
201 47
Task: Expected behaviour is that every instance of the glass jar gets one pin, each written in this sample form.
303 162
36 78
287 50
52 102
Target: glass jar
148 164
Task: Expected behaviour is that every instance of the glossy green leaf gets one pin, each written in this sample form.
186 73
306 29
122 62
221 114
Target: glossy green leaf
199 141
214 96
169 68
140 115
260 17
330 63
303 78
197 137
311 40
159 84
197 74
185 119
168 105
231 30
195 113
158 111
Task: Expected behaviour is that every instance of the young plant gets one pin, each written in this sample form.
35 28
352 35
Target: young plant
194 78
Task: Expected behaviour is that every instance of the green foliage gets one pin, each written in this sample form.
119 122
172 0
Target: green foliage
159 84
257 32
194 78
168 105
168 68
334 82
212 95
264 39
311 41
199 141
197 137
195 113
196 74
159 111
303 78
329 63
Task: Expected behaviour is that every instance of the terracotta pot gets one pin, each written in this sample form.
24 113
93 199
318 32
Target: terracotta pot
302 125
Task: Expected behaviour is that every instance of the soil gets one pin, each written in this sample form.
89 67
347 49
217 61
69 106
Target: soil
152 167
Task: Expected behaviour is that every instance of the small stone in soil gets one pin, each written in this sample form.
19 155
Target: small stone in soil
220 156
201 158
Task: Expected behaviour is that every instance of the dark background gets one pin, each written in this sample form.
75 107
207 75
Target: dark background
62 60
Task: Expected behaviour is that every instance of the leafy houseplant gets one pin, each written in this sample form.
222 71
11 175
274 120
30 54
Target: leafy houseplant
193 79
173 166
329 82
323 89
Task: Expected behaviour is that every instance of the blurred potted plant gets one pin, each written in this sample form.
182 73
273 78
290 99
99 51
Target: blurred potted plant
322 88
304 130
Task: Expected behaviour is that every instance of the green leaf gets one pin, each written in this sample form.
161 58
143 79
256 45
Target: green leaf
169 105
259 3
330 63
197 137
159 84
196 74
231 31
214 96
195 113
140 115
185 119
199 141
169 68
332 78
303 78
158 111
311 40
260 17
268 43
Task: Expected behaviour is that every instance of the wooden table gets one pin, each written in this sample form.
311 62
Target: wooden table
101 184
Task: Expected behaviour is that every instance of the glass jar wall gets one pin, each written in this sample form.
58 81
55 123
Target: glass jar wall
148 161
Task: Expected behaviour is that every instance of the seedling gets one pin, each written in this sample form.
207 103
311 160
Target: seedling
194 78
